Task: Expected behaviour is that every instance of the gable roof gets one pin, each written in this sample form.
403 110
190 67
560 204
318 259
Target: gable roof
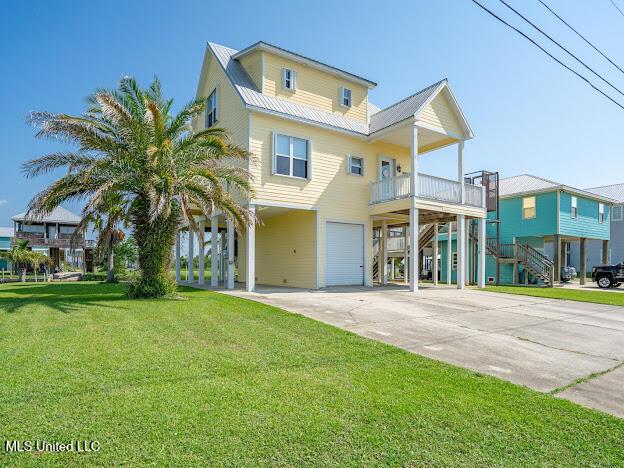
6 232
615 191
57 215
525 184
253 99
261 45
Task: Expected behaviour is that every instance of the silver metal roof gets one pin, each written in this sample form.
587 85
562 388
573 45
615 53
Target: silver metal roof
615 191
255 100
403 109
261 45
526 183
58 215
6 232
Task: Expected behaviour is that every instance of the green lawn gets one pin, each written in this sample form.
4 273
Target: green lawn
212 379
597 297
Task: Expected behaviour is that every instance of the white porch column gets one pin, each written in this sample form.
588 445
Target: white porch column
250 239
177 258
414 268
461 252
405 256
230 250
392 268
191 256
434 266
202 254
214 251
383 271
460 171
481 247
449 253
467 258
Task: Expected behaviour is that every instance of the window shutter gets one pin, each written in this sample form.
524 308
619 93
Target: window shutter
273 151
283 78
309 147
348 164
293 78
216 108
340 95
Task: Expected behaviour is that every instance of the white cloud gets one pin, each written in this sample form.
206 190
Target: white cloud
4 201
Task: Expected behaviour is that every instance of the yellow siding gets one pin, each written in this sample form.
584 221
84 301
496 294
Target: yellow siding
286 250
338 196
252 63
230 111
315 88
440 114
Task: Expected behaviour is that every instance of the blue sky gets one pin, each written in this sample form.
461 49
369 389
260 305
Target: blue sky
528 113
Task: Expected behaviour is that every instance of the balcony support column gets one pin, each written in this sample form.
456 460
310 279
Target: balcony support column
201 253
405 255
230 252
461 252
214 251
414 268
434 260
605 252
449 253
191 256
250 239
383 271
481 253
460 171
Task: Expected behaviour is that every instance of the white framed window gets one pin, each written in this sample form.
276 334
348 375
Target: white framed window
601 212
345 97
291 156
574 208
355 165
528 208
211 109
454 260
289 79
617 213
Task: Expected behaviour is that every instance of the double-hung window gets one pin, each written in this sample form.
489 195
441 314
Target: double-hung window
574 208
291 156
345 97
211 109
356 165
528 208
289 79
601 212
617 213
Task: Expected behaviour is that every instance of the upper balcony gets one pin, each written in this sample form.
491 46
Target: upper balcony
428 187
61 240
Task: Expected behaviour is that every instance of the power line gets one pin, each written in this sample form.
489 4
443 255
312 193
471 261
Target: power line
581 36
549 54
561 47
617 7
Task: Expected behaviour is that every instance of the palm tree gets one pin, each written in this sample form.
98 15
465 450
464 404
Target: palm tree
129 143
20 255
109 218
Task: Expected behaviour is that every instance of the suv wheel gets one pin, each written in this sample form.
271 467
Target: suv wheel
604 282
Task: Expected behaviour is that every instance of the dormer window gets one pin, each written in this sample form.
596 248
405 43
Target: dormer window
345 97
289 79
211 109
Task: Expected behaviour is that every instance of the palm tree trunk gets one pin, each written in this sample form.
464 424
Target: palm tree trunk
22 273
110 274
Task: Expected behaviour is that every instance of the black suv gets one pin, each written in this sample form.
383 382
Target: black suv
608 276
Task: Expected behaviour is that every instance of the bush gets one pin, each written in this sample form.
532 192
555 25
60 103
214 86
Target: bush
158 286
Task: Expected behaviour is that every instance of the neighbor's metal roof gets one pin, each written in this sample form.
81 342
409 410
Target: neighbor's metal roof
58 215
254 99
403 109
6 232
526 183
615 191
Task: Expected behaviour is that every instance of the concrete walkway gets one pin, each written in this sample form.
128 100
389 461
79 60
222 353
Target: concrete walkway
574 350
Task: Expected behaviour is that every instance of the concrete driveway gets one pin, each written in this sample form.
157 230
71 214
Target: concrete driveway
573 349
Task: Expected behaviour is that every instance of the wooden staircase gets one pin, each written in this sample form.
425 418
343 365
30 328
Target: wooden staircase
533 261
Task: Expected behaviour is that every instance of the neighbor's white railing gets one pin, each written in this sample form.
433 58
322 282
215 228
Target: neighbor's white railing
430 187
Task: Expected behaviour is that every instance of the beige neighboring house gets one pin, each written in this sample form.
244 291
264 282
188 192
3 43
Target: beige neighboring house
337 188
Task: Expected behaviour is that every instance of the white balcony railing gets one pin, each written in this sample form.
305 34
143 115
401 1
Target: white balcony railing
429 187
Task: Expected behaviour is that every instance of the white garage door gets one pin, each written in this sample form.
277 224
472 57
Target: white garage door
344 252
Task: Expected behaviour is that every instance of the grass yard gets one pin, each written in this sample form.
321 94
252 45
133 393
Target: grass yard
212 379
597 297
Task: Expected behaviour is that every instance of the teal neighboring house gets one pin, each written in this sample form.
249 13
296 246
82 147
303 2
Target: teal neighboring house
6 234
538 220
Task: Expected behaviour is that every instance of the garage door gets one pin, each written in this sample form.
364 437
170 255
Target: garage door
344 252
